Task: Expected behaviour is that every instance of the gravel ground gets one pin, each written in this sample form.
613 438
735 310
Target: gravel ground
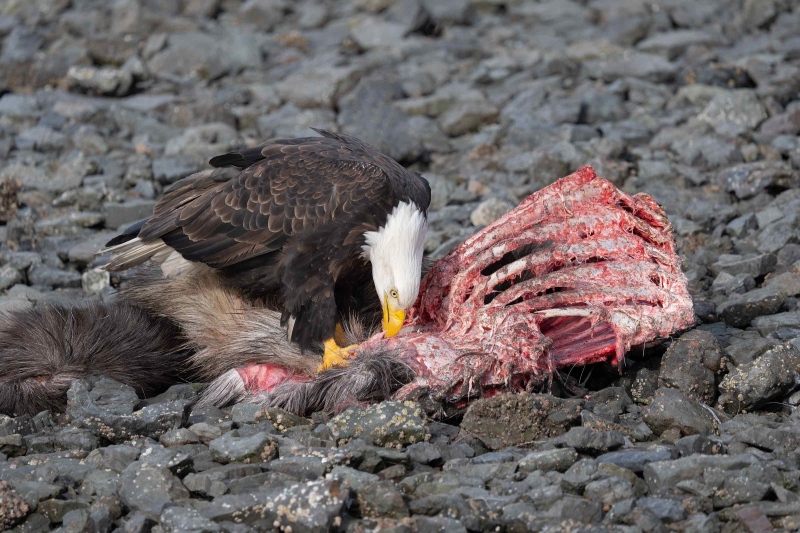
695 102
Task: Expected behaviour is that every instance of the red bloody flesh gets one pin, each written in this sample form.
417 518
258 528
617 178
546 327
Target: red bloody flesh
578 273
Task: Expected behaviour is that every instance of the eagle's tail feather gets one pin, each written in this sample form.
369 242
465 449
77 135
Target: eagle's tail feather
42 350
131 253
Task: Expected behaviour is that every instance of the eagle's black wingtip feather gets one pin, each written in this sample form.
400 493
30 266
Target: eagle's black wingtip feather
130 233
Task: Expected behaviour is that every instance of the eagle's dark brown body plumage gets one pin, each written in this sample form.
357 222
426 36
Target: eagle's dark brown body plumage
283 222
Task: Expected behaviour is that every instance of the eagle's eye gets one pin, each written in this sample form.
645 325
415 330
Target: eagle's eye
393 293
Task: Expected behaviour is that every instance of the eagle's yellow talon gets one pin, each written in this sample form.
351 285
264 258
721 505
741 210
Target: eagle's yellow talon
335 355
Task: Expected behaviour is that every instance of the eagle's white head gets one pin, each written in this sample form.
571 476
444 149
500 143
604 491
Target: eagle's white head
395 251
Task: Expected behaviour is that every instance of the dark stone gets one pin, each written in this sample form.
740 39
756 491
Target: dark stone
671 409
512 419
179 519
300 468
381 499
114 419
13 509
558 460
257 448
306 507
119 213
635 460
584 440
668 511
740 310
772 375
691 365
748 179
148 488
386 424
368 112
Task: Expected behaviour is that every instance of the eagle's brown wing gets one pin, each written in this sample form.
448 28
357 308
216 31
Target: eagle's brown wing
292 186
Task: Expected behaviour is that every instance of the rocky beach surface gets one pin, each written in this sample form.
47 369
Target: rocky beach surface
697 103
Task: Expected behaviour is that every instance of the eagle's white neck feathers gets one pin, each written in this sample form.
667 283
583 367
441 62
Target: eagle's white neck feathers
395 251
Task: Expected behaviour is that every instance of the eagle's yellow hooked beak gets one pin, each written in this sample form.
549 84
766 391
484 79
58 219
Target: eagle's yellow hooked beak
392 319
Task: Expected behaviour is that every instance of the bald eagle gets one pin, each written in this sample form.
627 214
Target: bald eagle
318 227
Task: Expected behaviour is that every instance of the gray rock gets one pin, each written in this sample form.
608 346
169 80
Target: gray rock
306 507
54 278
300 468
775 323
41 138
206 432
368 112
734 112
772 375
381 499
671 409
740 488
372 32
148 488
206 56
644 386
425 453
95 280
171 169
777 235
673 43
9 276
691 365
390 424
55 510
12 445
115 457
650 67
635 460
608 491
76 439
179 519
282 420
467 116
100 483
176 460
746 350
748 179
291 121
584 440
756 265
728 284
741 225
558 460
757 14
113 417
230 447
356 479
104 81
488 211
668 511
511 419
214 481
436 524
740 310
119 213
318 85
178 437
18 105
664 475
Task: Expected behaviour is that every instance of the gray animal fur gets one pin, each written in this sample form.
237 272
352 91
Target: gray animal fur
162 331
43 350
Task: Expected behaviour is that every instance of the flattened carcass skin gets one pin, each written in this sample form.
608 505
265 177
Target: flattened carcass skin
578 273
